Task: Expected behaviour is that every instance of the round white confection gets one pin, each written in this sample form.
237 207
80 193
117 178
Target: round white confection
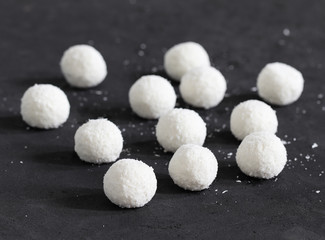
152 96
203 87
98 141
83 66
280 84
261 155
130 183
179 127
252 116
183 57
193 167
44 106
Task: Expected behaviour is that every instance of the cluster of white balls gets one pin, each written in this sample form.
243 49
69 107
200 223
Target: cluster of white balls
130 183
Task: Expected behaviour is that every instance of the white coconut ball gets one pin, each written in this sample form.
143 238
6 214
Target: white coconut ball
130 183
179 127
261 155
203 87
193 167
280 84
152 96
44 106
83 66
252 116
183 57
98 141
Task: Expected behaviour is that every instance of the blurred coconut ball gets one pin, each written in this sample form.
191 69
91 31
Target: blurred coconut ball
44 106
183 57
178 127
280 84
252 116
193 167
203 87
83 66
152 96
130 183
261 155
98 141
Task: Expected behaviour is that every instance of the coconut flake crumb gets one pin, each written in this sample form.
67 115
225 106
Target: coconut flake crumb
315 145
286 32
254 89
225 191
143 46
285 142
141 53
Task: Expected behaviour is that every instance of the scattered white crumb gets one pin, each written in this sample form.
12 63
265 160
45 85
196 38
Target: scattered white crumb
282 42
320 96
315 145
285 142
141 53
286 32
254 89
238 181
21 162
307 157
143 46
317 191
225 191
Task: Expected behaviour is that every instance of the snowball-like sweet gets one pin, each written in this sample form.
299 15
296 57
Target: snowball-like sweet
193 167
252 116
261 155
130 183
179 127
83 66
44 106
152 96
203 87
183 57
98 141
280 84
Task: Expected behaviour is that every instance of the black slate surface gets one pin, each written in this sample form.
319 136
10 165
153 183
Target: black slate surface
46 192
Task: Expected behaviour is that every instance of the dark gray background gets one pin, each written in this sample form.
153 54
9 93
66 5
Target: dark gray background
46 192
